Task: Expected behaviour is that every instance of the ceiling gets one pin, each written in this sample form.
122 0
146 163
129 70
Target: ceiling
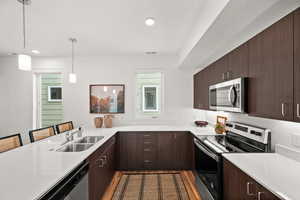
237 22
114 27
194 32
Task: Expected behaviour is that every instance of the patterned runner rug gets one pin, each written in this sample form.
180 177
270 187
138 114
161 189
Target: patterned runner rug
168 186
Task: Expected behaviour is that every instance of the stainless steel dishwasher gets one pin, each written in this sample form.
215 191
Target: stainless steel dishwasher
73 187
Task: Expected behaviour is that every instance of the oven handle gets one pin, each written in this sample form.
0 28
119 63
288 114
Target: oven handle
206 151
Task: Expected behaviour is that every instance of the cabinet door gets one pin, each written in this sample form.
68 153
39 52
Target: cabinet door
231 182
128 151
201 90
166 151
238 62
271 71
110 161
218 71
96 188
297 65
184 151
197 90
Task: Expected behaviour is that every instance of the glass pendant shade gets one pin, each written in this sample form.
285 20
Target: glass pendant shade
72 78
24 62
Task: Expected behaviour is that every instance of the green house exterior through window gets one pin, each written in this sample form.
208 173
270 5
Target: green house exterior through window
51 107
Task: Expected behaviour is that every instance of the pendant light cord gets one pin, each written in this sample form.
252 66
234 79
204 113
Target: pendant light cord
72 56
24 26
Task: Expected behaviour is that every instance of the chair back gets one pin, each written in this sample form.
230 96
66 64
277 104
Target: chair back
63 127
10 142
42 133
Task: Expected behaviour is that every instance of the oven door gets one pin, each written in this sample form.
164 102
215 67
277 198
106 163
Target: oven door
227 96
209 169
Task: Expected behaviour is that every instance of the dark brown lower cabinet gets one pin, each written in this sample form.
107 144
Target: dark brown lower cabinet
155 150
239 186
101 169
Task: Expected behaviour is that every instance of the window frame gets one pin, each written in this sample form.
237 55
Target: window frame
156 98
138 113
49 93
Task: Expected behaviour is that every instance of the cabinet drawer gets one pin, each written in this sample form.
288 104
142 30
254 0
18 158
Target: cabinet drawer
149 165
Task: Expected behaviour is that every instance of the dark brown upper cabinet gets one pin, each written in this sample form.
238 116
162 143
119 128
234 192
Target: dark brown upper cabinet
271 71
218 71
238 62
201 84
297 65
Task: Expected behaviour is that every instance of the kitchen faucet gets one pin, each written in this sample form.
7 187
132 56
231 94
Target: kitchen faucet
70 135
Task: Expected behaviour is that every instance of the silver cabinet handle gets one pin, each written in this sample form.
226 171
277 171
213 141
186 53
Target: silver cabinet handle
105 159
228 75
248 189
259 195
298 110
101 162
223 76
282 109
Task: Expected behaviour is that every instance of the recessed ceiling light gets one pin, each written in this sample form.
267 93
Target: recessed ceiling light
149 21
35 51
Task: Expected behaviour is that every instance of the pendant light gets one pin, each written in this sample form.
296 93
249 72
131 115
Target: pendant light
72 75
24 61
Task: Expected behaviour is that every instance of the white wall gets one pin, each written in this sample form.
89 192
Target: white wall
17 86
16 98
282 131
121 70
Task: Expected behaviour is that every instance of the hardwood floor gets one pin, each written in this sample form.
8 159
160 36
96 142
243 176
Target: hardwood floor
187 178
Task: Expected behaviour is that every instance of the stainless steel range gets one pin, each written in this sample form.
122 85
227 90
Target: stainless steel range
239 138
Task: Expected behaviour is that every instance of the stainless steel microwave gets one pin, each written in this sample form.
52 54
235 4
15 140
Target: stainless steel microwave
228 96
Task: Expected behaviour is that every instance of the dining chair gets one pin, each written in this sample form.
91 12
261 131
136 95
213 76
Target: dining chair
10 142
42 133
63 127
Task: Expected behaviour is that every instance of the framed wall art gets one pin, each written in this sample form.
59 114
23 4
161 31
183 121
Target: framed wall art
107 99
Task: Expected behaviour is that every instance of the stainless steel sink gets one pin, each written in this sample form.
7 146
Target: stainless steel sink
74 147
89 139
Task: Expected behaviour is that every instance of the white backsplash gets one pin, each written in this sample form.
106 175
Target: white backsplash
282 132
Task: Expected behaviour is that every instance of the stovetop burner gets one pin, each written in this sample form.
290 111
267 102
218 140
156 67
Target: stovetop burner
238 138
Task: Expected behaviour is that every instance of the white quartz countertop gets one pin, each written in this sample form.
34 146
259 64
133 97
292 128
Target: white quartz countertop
277 173
30 171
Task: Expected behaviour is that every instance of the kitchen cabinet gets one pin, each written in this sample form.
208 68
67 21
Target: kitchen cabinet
271 72
297 65
238 62
184 148
155 150
129 151
218 71
201 84
238 185
101 169
166 149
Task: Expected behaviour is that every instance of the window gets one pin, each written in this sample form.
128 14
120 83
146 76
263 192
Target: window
148 94
150 98
54 93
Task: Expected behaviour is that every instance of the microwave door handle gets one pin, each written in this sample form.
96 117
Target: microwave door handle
210 154
230 98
